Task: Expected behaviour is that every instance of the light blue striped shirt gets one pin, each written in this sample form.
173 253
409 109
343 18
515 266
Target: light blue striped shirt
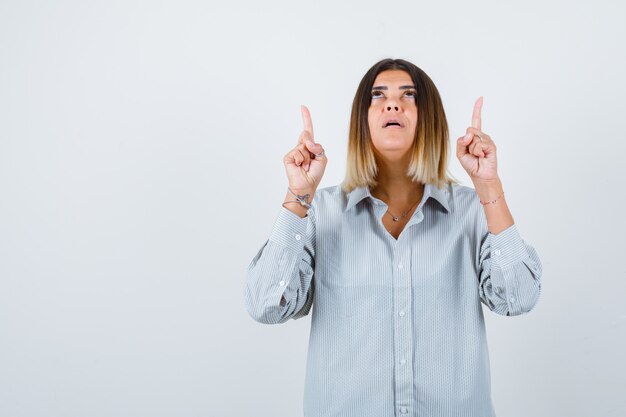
397 326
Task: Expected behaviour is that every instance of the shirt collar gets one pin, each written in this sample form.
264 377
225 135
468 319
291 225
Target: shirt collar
430 191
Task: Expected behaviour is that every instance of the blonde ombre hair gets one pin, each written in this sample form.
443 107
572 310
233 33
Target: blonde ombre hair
429 159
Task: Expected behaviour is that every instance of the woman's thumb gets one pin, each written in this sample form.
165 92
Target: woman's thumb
311 146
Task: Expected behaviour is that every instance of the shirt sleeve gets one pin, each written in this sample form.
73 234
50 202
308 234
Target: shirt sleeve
509 273
279 280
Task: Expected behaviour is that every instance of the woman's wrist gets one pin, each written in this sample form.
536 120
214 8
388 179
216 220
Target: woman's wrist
488 190
298 201
295 207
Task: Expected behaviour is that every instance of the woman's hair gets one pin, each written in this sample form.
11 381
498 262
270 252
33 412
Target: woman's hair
429 157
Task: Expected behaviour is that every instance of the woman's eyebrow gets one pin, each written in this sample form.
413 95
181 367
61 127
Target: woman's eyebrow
402 87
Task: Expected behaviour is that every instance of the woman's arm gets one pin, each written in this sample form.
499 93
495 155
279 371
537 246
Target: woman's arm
509 269
279 280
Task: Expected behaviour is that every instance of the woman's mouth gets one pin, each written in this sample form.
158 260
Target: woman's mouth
392 123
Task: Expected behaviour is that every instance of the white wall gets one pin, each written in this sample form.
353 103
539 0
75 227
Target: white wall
141 148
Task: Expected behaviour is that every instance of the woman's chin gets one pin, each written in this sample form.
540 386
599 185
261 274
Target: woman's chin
393 144
393 153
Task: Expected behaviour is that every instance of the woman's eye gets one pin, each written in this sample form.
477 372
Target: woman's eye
410 94
377 94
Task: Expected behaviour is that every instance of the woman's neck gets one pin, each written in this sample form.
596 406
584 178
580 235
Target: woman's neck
394 185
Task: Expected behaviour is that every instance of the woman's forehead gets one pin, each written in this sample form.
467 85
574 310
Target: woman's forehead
393 77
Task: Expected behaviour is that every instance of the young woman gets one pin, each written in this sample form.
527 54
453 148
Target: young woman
396 260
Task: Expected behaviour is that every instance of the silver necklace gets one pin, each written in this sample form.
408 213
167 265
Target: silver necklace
403 215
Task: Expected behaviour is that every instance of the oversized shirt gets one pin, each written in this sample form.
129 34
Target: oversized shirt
397 326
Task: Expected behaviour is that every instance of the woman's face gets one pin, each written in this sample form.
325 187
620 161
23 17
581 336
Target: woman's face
392 115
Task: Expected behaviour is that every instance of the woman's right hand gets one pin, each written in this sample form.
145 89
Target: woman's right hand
304 169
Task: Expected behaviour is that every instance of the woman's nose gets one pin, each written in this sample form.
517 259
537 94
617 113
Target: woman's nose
392 104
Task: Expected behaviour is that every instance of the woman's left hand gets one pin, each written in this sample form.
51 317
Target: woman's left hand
476 151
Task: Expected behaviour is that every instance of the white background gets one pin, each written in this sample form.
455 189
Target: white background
141 148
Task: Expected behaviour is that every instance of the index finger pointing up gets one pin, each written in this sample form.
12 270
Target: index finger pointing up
476 119
306 120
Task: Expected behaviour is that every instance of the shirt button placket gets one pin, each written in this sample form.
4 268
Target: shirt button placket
403 335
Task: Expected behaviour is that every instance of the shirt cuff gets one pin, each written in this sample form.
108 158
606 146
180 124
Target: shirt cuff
507 248
289 230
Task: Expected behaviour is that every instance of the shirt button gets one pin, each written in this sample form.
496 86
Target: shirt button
282 283
401 313
512 299
496 252
498 290
298 237
403 410
402 362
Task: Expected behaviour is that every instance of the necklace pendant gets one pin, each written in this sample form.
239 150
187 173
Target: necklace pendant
395 219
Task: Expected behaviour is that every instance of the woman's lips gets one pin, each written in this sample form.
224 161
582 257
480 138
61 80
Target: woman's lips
392 124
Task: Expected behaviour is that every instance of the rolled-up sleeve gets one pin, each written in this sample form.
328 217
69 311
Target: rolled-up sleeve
510 273
279 280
